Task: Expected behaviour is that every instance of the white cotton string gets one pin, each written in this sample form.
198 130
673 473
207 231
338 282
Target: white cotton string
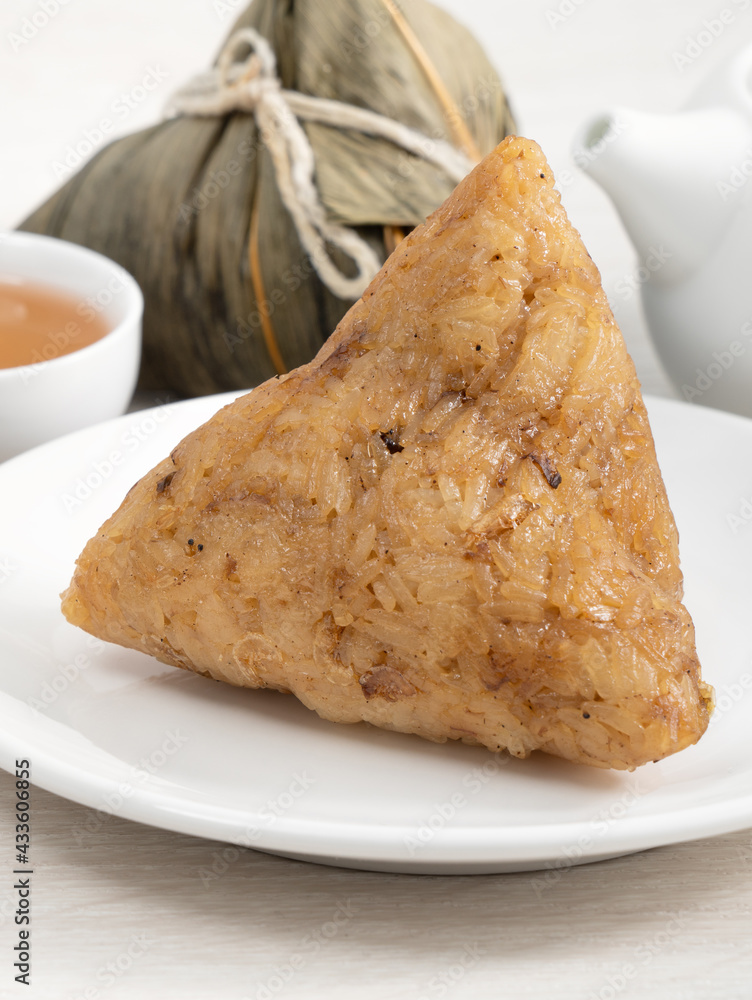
252 85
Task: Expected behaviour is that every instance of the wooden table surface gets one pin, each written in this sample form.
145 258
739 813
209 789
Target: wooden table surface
125 910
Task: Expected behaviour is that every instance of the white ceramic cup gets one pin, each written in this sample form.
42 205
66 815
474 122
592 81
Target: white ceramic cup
45 400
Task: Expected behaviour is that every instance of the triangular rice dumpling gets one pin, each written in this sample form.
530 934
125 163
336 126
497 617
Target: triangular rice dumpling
450 523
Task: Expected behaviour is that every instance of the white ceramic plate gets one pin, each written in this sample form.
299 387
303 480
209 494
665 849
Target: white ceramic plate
119 732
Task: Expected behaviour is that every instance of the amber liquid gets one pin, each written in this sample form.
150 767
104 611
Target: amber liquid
38 323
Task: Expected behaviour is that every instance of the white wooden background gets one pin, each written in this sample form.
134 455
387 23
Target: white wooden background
671 923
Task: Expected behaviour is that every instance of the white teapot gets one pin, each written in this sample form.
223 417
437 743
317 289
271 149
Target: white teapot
682 184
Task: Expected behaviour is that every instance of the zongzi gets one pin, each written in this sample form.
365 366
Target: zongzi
450 523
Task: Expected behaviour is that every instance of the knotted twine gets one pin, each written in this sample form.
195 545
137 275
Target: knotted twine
251 84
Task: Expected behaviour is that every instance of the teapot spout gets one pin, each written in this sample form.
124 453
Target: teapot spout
675 180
